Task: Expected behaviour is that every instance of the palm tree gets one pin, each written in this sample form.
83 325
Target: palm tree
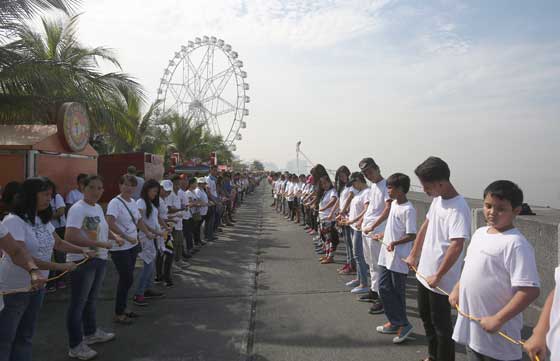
18 10
129 131
38 71
183 136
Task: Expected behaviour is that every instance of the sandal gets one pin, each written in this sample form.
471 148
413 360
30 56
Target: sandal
122 319
131 314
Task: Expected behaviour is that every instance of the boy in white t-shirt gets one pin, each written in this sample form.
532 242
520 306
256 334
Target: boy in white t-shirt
378 208
77 194
397 239
499 279
440 241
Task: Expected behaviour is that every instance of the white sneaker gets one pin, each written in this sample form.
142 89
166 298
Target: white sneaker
82 352
98 337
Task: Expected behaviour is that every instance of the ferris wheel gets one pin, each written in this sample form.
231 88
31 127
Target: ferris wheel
205 80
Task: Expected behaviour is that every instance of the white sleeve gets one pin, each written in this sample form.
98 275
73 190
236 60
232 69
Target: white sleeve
113 209
3 231
520 263
141 204
16 227
460 224
59 202
69 198
410 220
75 218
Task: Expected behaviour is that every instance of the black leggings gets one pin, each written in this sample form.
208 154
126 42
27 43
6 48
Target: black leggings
124 263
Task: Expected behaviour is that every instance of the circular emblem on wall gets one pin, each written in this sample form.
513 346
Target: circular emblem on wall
73 126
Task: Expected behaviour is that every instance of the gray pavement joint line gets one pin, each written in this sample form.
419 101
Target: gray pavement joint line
253 313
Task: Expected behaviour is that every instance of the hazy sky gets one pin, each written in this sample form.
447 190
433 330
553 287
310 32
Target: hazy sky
475 82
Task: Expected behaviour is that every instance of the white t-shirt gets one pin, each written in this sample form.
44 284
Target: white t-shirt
203 197
327 198
448 219
401 221
495 265
378 197
190 197
175 201
73 196
357 206
123 220
56 203
184 204
553 335
289 191
88 218
344 196
212 186
39 241
138 189
3 231
149 252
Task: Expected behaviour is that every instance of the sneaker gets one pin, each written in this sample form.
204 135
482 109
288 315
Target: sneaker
369 297
51 289
404 332
82 352
169 284
388 329
352 283
99 336
377 308
359 290
153 294
158 281
140 301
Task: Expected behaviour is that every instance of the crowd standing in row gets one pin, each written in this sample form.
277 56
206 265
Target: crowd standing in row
495 281
162 223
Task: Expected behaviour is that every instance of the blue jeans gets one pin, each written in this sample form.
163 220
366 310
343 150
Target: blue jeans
358 250
124 263
392 287
347 234
17 324
146 278
86 282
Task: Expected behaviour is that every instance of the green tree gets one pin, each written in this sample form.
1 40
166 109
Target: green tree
129 130
19 10
257 165
41 70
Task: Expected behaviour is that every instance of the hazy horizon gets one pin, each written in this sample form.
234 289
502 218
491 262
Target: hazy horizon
476 83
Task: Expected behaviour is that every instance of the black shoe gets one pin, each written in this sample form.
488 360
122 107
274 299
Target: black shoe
158 281
368 297
376 309
153 294
194 250
169 284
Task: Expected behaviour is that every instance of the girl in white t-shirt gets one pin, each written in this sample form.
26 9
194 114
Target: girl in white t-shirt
86 227
345 195
124 220
148 205
59 223
354 220
28 223
329 235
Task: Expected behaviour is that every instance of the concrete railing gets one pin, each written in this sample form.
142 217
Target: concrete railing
542 230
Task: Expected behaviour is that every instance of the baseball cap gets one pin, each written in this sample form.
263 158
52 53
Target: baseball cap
354 177
367 163
201 180
167 185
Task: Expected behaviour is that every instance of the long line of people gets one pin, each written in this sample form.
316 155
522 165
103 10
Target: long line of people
162 223
491 285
